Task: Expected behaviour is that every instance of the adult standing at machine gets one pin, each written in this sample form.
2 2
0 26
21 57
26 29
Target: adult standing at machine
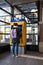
15 37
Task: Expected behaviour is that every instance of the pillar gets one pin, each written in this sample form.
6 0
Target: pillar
41 27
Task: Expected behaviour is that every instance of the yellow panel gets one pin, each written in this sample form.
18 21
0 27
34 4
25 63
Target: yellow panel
23 38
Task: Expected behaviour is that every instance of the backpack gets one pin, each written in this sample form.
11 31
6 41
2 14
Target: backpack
14 33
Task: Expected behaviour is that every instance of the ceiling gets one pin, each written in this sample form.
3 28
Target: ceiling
15 2
23 6
3 3
29 9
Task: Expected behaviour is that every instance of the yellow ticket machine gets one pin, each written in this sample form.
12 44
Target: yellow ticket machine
22 27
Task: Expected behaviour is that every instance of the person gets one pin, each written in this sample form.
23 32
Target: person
15 37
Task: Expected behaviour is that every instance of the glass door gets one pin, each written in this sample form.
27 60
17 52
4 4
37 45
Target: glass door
32 36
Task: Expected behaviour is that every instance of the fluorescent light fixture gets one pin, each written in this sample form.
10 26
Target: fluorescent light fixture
34 10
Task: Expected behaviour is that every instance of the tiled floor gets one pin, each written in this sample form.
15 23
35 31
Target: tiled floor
34 53
9 59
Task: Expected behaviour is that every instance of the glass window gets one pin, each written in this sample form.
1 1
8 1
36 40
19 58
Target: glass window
4 33
1 23
28 30
32 28
32 39
7 38
4 28
7 9
32 34
5 18
2 13
4 38
7 29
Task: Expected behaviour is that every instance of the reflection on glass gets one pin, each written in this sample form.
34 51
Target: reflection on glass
32 34
32 39
2 29
32 28
5 18
7 29
1 23
28 30
2 13
5 39
4 33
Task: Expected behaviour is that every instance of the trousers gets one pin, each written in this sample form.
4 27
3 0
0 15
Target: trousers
15 43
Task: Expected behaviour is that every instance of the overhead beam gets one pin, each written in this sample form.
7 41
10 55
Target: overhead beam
18 2
7 12
8 3
26 13
12 9
5 22
17 8
30 12
22 12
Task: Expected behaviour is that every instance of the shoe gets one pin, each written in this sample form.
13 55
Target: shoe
12 55
16 56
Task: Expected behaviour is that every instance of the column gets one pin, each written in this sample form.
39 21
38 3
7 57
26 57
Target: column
41 27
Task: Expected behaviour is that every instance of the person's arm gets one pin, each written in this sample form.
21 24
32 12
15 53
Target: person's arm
11 34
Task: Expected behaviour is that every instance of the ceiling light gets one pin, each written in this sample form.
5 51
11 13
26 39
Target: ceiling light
34 10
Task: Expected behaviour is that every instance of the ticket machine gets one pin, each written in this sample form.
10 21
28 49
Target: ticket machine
22 27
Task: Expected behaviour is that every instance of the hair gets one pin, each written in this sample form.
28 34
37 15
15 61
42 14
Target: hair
15 24
12 27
